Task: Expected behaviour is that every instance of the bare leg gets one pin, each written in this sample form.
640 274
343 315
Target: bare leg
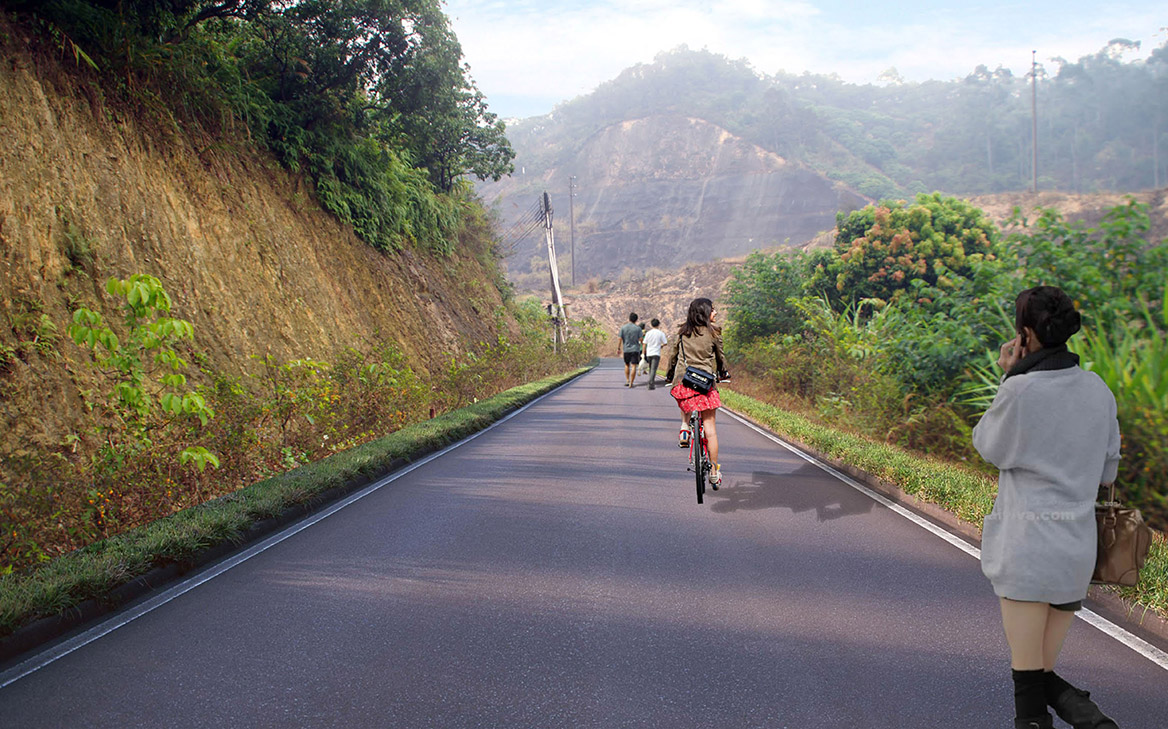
1025 625
711 433
1058 623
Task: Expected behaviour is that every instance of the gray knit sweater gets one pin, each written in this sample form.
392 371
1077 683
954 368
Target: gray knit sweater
1055 438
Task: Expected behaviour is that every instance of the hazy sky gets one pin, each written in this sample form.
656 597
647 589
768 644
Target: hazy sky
529 55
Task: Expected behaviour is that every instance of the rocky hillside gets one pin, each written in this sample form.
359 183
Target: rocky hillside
664 191
88 191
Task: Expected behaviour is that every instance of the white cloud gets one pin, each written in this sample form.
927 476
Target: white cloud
522 48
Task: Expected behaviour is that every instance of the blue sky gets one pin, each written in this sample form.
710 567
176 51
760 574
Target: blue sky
529 55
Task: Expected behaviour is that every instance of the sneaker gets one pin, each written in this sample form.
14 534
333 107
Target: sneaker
716 476
683 438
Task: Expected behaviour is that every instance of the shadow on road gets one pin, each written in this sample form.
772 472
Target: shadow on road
800 490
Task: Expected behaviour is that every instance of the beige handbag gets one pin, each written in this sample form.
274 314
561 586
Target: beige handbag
1124 541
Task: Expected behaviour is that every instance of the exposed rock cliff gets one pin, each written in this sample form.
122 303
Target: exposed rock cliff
666 191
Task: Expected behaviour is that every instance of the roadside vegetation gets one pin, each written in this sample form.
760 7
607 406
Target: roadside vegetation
160 444
97 569
880 351
893 332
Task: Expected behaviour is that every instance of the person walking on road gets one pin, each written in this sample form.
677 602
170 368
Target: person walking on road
630 335
1053 434
699 342
655 339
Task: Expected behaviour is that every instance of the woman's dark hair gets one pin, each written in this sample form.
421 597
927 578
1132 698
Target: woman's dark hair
697 317
1049 312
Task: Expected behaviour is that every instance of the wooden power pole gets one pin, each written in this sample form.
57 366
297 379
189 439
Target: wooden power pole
557 307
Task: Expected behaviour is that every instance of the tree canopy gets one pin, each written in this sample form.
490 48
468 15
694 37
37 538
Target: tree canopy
370 96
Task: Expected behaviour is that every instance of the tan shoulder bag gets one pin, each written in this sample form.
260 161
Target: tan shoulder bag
1124 541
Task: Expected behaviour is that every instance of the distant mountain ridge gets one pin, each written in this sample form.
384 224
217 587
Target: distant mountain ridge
640 171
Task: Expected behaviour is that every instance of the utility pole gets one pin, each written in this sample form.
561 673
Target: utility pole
557 306
572 222
1034 120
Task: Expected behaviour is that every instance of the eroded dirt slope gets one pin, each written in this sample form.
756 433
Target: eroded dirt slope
87 191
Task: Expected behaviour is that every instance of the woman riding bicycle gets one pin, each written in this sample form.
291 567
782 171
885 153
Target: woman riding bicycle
698 344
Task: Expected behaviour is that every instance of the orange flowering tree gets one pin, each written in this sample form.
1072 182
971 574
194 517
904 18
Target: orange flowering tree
894 249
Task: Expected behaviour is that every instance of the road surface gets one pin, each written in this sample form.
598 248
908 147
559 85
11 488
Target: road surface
556 571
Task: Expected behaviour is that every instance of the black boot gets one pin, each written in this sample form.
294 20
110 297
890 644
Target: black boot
1075 707
1035 722
1030 700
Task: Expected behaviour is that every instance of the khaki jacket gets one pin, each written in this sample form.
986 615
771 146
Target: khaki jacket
703 350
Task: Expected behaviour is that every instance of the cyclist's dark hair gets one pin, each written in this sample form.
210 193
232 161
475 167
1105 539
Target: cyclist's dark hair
654 322
633 317
697 317
1049 312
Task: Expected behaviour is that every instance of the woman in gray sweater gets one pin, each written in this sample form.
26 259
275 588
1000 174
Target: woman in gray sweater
1053 433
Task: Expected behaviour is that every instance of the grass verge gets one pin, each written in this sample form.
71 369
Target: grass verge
96 571
963 492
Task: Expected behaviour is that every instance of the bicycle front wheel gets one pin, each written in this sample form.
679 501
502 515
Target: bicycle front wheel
699 454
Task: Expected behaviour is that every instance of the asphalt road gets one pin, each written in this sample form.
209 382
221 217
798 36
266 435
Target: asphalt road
556 571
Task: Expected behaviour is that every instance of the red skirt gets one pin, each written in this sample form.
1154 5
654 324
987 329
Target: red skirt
689 399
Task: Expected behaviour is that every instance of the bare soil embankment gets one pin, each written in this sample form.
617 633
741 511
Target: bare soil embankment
91 189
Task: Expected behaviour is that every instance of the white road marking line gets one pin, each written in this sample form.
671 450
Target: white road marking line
1137 644
44 658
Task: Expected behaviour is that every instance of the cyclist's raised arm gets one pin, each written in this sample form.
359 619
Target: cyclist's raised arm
719 358
672 359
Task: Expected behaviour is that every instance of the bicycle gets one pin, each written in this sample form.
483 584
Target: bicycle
699 456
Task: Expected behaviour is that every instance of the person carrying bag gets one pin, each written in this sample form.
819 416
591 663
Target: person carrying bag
699 350
1053 434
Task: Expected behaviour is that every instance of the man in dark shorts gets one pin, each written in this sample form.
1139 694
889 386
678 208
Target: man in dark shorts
631 335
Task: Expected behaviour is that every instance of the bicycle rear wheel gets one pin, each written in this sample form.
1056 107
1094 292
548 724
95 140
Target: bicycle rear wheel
699 453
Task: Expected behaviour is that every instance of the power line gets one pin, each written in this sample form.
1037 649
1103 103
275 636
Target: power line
523 227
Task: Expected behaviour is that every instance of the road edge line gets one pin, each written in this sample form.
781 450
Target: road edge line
122 618
1095 620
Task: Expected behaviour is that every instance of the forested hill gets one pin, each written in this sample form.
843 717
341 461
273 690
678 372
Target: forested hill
1103 122
695 156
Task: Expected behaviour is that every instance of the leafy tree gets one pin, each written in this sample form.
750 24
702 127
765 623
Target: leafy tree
761 297
1111 271
882 250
